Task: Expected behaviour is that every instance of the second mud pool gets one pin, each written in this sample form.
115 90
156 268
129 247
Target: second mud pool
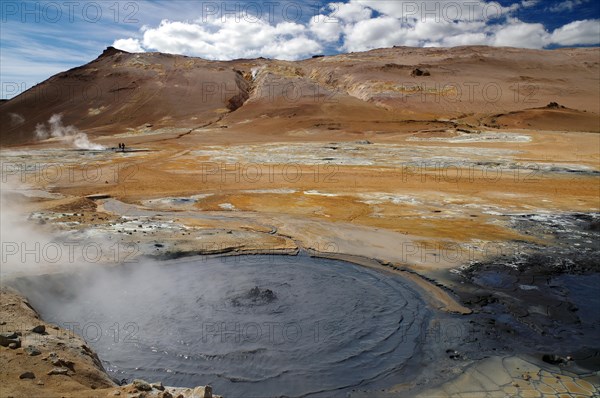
254 326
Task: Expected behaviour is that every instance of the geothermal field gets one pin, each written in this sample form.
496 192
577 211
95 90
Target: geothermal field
400 222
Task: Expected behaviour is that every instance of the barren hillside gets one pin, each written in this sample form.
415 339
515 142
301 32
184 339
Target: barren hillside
397 88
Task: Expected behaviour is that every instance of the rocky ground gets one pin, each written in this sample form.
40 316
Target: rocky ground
487 206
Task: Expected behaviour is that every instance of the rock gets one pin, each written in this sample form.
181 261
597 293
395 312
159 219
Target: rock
58 371
8 338
158 386
553 359
110 51
39 329
141 385
454 355
554 105
32 351
208 392
13 346
27 375
166 394
60 362
63 363
420 72
364 142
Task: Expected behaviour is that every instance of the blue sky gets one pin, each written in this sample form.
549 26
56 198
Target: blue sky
41 38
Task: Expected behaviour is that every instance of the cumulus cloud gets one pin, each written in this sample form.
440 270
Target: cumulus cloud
325 28
578 32
350 12
521 34
359 25
131 45
374 33
219 38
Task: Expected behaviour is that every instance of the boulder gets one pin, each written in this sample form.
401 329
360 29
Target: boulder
158 386
9 338
554 105
39 329
141 385
27 375
553 359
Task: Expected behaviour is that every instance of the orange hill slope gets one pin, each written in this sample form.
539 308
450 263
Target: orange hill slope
120 92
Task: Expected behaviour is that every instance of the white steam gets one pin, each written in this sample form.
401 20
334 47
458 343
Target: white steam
16 119
69 134
31 245
21 241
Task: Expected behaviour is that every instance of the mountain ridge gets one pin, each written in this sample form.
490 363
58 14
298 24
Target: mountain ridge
120 92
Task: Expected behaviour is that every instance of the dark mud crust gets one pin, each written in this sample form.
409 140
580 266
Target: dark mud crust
524 299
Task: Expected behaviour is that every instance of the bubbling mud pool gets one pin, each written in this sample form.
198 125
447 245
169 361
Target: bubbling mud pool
253 326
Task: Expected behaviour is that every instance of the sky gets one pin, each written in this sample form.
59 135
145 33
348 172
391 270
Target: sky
41 38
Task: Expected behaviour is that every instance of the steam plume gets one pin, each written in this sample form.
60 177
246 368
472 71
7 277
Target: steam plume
69 134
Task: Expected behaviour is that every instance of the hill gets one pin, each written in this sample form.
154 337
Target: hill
388 89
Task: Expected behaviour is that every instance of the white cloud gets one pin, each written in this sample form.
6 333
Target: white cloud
350 12
217 39
325 28
130 45
465 39
441 10
374 33
568 5
577 32
521 34
359 25
449 34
